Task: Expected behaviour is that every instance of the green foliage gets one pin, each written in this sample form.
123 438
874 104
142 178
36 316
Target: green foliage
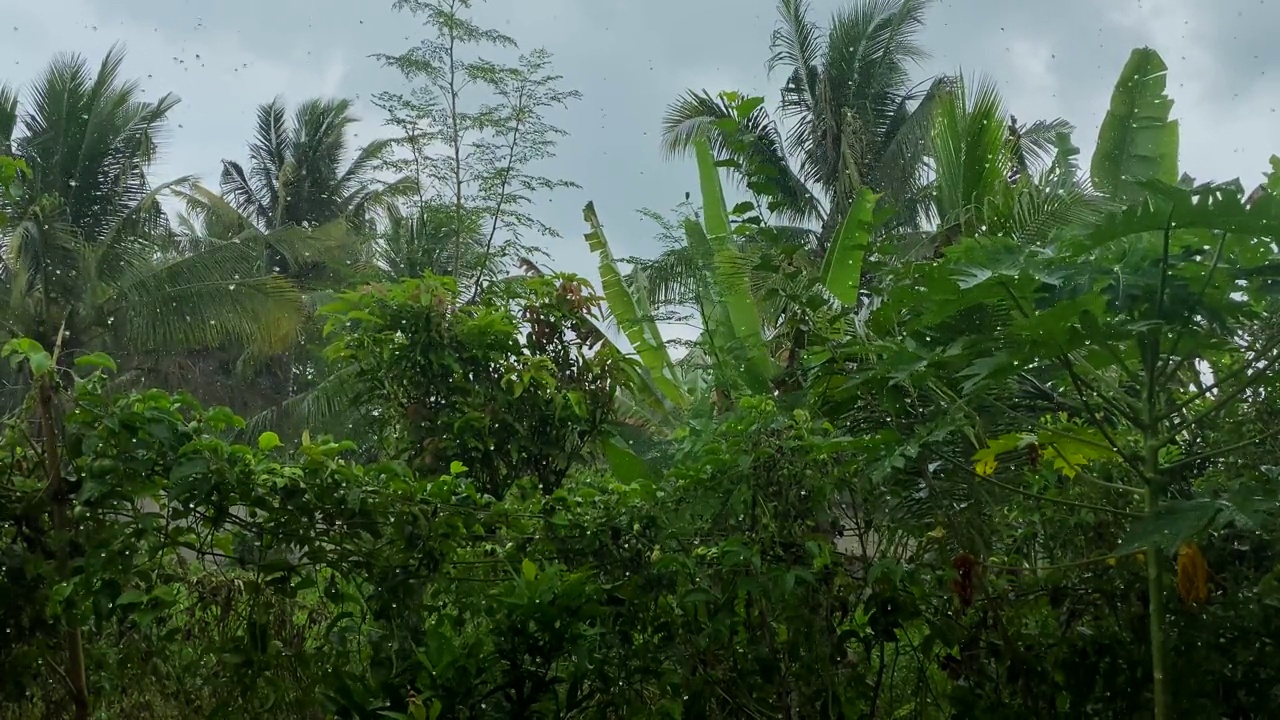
633 316
473 160
946 482
842 265
1138 140
735 324
89 263
478 383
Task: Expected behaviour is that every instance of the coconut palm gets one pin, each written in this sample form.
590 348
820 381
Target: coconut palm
991 175
296 174
88 260
853 120
851 116
302 175
310 205
855 117
423 240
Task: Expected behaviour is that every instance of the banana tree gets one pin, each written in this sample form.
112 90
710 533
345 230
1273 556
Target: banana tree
732 333
732 355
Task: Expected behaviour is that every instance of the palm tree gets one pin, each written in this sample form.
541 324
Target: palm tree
311 206
87 258
988 174
424 240
855 117
853 121
299 176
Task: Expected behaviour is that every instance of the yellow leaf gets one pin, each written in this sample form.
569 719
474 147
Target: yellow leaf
985 467
1193 575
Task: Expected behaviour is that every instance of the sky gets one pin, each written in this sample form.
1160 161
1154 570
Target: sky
630 58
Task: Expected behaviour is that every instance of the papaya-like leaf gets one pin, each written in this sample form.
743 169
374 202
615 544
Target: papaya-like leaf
1170 525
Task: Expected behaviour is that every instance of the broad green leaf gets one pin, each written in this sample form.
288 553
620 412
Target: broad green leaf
98 360
131 597
732 283
1137 140
528 569
1214 207
666 380
642 335
644 316
842 266
715 212
625 464
1169 526
641 397
36 356
268 440
40 363
713 312
188 467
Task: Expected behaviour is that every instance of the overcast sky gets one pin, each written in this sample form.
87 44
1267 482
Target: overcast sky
629 58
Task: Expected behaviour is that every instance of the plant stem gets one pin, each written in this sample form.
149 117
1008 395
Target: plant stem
1152 440
1155 592
75 672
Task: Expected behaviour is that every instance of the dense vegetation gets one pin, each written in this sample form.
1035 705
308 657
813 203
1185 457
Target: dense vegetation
970 431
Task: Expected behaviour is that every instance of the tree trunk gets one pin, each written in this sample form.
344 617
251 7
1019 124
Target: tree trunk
60 512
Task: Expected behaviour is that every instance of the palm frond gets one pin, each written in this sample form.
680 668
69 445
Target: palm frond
207 299
412 245
44 267
1039 212
210 215
756 143
1038 142
137 236
971 156
89 141
239 190
672 278
797 45
330 407
362 168
268 153
899 172
8 117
